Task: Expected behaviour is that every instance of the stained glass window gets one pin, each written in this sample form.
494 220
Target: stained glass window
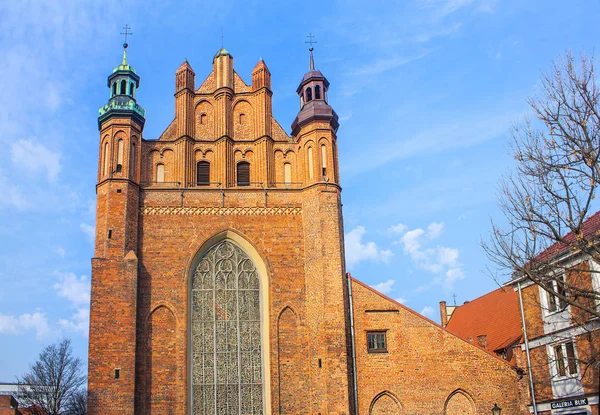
226 334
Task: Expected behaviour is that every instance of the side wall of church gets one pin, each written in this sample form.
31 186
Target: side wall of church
426 369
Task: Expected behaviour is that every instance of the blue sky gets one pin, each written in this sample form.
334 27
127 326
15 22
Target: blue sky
426 91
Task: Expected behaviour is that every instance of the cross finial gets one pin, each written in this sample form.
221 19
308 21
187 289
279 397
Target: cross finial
310 41
126 33
454 296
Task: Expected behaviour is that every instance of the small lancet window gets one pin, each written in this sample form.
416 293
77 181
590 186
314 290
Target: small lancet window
106 158
310 163
242 118
324 160
203 173
160 173
243 173
308 94
120 150
114 89
202 118
123 87
131 89
318 92
132 162
287 173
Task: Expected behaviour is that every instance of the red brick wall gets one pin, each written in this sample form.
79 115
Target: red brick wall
425 365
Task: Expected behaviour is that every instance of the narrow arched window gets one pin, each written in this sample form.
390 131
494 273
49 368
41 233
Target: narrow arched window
310 163
131 89
202 118
324 160
243 173
132 162
160 173
301 100
287 173
119 156
318 92
106 159
203 173
242 118
114 89
308 94
123 87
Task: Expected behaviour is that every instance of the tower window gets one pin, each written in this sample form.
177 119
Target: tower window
119 156
131 89
160 173
243 173
242 118
202 118
114 89
105 159
123 87
310 163
324 160
318 92
132 162
287 173
203 173
308 94
376 342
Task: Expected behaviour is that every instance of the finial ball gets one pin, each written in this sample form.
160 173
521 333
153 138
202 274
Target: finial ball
311 49
125 45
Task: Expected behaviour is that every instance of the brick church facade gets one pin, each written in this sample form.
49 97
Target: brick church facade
218 279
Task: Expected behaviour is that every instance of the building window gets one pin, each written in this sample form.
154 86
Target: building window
203 173
323 160
243 173
120 150
132 162
114 89
376 342
106 158
310 163
160 173
242 118
123 87
308 94
202 118
131 89
555 303
287 173
317 92
564 357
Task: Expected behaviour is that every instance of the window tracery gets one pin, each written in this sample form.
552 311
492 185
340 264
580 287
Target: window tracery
226 334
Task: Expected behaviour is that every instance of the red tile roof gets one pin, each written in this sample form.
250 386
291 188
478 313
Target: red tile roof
590 229
495 314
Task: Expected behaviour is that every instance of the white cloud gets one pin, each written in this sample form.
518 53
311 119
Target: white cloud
427 311
11 195
440 260
61 251
35 158
400 300
75 290
399 228
357 251
19 324
384 65
384 287
79 322
89 230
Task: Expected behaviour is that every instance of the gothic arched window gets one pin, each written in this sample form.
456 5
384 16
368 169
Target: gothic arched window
120 149
226 333
114 89
132 161
131 89
106 159
203 173
308 94
318 92
243 173
123 87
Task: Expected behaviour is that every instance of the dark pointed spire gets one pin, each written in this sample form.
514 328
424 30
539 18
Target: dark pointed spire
311 42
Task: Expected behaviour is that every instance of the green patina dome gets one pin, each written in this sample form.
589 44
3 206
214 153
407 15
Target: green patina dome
222 52
124 66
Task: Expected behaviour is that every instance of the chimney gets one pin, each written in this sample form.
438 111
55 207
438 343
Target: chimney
443 314
482 340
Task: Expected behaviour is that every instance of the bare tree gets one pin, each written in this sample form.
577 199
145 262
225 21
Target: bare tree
53 380
551 195
77 405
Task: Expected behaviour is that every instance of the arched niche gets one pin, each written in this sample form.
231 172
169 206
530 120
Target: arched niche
244 264
459 402
385 403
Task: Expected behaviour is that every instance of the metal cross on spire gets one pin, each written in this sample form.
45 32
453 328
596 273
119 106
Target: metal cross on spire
454 296
310 41
126 33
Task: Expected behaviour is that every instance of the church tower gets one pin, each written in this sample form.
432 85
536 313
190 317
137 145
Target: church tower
113 314
218 283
